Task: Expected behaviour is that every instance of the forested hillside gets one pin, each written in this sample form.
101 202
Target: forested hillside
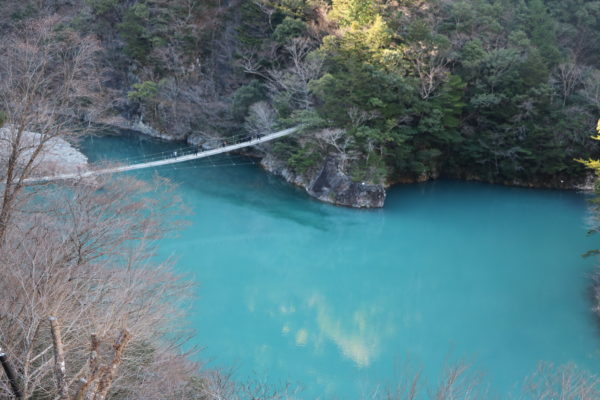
503 91
383 92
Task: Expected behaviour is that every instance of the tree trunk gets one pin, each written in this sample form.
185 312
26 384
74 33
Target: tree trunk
60 370
10 374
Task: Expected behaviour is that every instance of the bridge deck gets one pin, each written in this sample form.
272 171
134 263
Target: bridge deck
168 161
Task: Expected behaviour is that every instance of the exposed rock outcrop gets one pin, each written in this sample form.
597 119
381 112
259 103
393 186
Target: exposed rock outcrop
138 125
204 141
57 157
329 184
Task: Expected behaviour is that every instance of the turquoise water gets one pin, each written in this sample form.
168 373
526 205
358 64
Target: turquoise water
338 300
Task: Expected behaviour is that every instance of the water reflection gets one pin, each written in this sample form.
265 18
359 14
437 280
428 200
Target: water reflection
358 334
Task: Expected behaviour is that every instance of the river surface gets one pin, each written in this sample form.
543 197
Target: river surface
339 301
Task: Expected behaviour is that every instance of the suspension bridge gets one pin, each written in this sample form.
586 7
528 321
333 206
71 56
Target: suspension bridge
172 157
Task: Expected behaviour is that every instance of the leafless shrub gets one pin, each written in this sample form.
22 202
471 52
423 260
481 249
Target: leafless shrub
294 80
430 64
260 119
305 67
461 383
569 76
591 87
84 254
566 382
341 142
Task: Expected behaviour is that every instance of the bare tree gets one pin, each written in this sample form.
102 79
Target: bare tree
266 9
430 64
591 87
294 80
305 67
569 77
47 82
566 382
98 379
339 140
83 254
458 383
260 119
407 387
461 383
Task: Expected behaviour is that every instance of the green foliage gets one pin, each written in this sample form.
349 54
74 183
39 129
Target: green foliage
542 31
253 27
101 7
468 87
364 43
301 158
288 29
24 12
304 158
133 29
348 12
144 91
291 8
491 111
245 96
309 120
372 169
359 86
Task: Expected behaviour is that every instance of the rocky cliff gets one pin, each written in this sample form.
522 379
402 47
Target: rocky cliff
327 183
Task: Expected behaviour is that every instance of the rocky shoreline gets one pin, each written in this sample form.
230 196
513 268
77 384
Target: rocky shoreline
328 183
58 155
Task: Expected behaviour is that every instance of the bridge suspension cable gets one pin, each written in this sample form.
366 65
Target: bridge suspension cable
226 146
187 149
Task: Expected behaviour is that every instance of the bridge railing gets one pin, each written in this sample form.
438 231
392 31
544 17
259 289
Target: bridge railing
189 153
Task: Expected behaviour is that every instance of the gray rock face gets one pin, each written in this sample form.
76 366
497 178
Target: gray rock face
278 167
196 139
333 186
330 185
146 129
138 125
205 142
57 155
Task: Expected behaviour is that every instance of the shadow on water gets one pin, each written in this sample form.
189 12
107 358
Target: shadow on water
241 186
219 178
